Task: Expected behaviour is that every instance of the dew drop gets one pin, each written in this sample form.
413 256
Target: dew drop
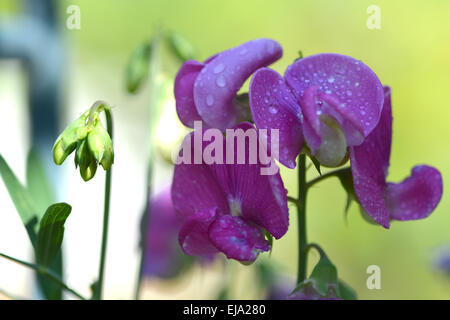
273 109
209 100
219 68
331 79
221 81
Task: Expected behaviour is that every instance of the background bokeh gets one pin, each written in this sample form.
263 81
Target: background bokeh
411 53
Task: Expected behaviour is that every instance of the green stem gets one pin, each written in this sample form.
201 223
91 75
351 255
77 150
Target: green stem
295 202
325 176
45 272
154 91
302 242
99 286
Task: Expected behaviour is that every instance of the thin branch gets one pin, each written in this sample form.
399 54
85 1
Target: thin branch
45 272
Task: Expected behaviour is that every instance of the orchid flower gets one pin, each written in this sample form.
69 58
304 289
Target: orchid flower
227 208
413 198
207 90
330 101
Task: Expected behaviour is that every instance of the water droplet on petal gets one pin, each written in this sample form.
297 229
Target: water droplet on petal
273 109
221 81
209 100
331 79
219 68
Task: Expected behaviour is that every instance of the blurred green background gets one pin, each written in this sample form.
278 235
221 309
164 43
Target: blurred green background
411 53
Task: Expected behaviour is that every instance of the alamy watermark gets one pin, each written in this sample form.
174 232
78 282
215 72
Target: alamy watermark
374 18
73 21
374 280
249 146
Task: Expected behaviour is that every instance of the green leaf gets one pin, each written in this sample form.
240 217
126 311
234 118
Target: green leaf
138 67
21 199
181 47
51 233
38 184
346 292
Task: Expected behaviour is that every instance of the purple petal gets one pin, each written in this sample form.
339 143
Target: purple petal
274 107
237 239
416 196
184 92
370 163
162 255
259 198
354 86
311 123
217 84
195 187
193 236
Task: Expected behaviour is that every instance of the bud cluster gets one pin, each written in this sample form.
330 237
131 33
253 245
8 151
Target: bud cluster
90 139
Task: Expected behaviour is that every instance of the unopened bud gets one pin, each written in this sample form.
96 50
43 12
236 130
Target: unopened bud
68 139
100 145
85 160
137 69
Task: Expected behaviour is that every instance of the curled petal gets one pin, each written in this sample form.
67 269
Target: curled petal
237 239
274 107
184 92
352 83
416 196
370 163
219 81
193 236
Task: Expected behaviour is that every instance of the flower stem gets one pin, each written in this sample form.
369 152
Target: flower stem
326 176
99 286
154 91
45 272
302 242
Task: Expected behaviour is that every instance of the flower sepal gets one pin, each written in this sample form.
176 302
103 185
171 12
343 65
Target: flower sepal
323 283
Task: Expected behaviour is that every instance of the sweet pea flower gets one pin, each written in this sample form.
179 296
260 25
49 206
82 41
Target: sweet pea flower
207 90
413 198
227 208
330 101
163 257
441 260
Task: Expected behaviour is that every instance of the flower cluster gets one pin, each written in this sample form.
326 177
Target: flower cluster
328 106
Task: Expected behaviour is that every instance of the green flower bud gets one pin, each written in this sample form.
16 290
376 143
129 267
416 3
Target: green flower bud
181 47
137 69
100 145
85 160
68 139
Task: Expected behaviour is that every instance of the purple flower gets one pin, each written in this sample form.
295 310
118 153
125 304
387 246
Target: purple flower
413 198
207 90
227 207
280 288
442 260
330 101
163 257
308 292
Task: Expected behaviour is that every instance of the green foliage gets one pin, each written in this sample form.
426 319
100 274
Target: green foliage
138 67
51 233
